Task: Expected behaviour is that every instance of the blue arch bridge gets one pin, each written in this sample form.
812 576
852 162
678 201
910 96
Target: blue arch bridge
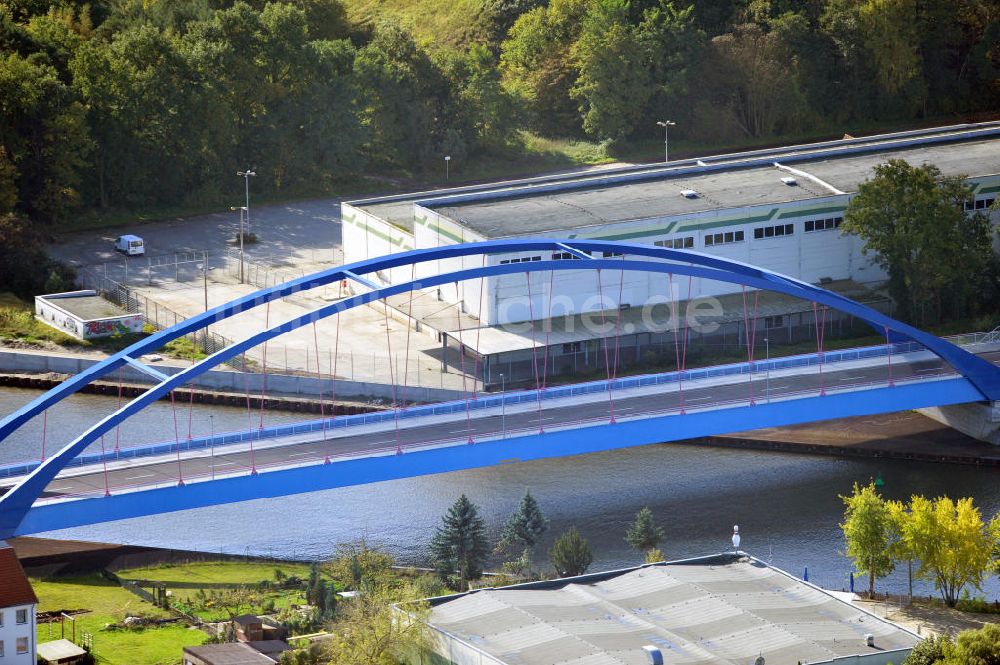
913 369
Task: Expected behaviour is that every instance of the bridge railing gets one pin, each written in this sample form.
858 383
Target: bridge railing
494 401
234 470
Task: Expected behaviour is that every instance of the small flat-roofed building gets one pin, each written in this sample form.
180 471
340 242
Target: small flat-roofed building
231 653
17 611
85 315
728 608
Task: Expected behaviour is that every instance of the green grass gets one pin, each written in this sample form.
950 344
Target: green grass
215 572
18 322
432 22
107 603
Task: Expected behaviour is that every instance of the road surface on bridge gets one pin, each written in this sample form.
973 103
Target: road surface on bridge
453 429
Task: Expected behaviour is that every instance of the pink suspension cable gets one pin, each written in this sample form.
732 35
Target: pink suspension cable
820 335
534 353
461 357
618 318
118 427
190 409
746 337
263 385
107 489
409 325
479 329
45 427
548 319
675 311
684 348
888 347
319 375
333 372
392 377
177 439
607 363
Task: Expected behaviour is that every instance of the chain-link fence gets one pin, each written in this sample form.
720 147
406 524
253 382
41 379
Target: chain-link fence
156 314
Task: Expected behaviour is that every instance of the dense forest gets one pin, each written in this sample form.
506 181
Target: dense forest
125 103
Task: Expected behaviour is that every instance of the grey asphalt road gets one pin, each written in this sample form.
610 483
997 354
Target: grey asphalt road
551 415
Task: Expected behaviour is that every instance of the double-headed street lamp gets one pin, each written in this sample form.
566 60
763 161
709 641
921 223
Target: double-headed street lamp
246 178
666 124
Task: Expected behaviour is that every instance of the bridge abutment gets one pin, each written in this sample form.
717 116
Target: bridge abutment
980 420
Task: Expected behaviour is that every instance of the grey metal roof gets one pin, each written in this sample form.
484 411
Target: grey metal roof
724 609
616 202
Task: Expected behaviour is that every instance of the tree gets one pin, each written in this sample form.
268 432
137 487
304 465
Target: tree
974 647
234 601
643 534
459 545
870 532
953 544
929 651
570 554
357 565
369 631
913 221
525 525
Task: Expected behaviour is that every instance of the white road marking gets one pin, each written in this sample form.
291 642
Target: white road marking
148 475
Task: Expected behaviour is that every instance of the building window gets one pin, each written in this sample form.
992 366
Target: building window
22 616
723 238
22 645
686 242
823 224
773 231
774 322
565 256
524 259
1 618
610 255
572 347
1 648
978 204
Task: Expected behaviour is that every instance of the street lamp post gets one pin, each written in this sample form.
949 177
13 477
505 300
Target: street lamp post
242 209
767 369
666 124
447 168
503 408
246 175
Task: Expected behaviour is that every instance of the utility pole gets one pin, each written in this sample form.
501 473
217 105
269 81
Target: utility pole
246 175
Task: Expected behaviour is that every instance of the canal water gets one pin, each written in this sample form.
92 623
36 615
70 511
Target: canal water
787 505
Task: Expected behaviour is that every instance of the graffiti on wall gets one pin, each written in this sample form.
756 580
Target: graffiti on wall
106 327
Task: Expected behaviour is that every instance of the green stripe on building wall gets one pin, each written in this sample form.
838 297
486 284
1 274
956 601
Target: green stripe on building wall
811 212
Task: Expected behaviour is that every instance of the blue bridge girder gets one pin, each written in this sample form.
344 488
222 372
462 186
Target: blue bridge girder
980 374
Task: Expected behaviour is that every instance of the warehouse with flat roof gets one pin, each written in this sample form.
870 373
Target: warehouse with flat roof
778 208
728 608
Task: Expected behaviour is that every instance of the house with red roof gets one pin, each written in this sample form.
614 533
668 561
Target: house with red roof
17 611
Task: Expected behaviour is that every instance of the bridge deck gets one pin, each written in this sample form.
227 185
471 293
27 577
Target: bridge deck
511 420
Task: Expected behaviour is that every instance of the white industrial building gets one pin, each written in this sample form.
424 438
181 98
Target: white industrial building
727 608
779 209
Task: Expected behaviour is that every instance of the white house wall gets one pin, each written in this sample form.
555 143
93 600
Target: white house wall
11 630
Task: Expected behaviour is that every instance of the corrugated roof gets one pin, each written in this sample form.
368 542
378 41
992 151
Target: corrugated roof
716 611
15 589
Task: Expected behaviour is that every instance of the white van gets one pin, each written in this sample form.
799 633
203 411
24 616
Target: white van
130 245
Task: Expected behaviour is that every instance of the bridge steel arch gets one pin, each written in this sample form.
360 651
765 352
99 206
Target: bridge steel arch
980 374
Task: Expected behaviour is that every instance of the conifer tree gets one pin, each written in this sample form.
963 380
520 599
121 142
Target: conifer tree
459 546
570 554
526 524
643 534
